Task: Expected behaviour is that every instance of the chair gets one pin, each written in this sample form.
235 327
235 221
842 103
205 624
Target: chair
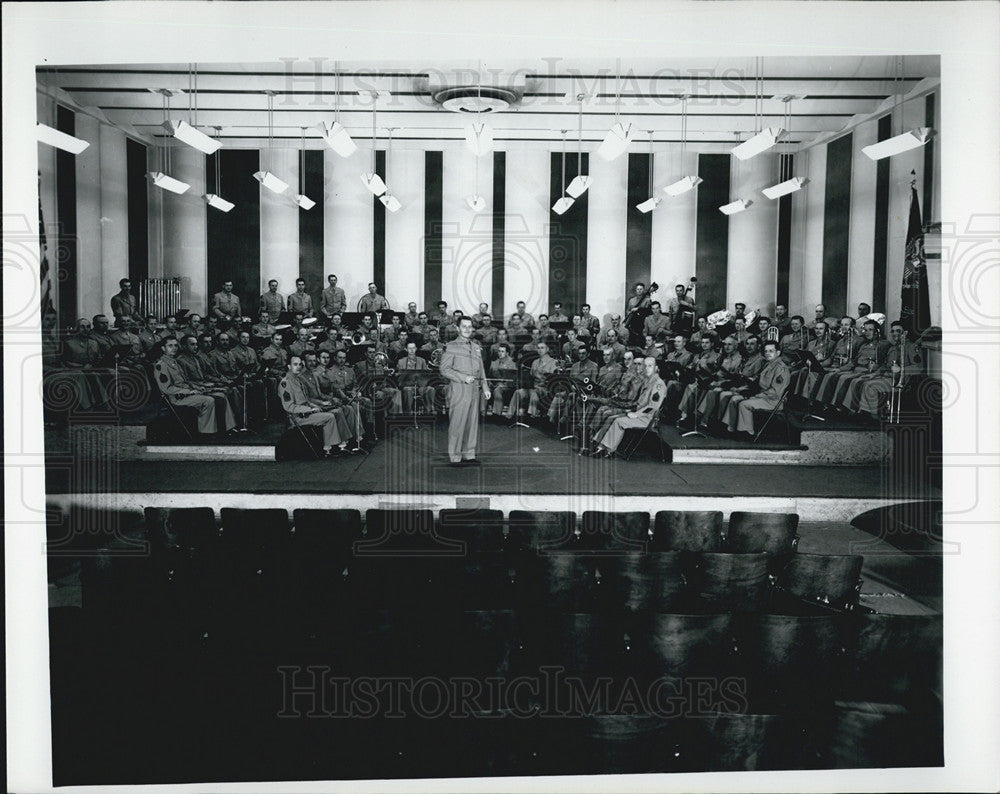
480 530
634 437
480 579
321 553
687 530
620 744
755 533
402 532
637 583
311 435
556 581
541 530
728 582
830 581
737 742
878 735
894 658
188 528
680 646
614 531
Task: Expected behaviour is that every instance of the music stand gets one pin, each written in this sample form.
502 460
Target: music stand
384 317
352 320
414 379
808 359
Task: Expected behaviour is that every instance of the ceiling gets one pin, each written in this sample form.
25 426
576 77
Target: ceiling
726 96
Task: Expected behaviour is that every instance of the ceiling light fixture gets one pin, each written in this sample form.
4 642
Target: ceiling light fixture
372 180
763 139
187 131
479 135
739 205
390 202
620 135
160 178
563 203
786 182
476 202
580 182
60 140
266 177
335 134
685 183
214 199
653 202
301 198
905 141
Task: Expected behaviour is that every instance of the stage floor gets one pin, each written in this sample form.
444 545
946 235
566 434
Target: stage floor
414 461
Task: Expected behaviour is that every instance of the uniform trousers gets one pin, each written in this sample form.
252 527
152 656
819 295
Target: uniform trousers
463 420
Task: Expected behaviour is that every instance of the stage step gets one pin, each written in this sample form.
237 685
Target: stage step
744 454
220 452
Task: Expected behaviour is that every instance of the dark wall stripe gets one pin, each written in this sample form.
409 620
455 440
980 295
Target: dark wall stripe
928 197
233 238
433 210
378 262
568 237
639 226
311 226
64 249
837 224
712 233
784 235
881 259
138 211
499 230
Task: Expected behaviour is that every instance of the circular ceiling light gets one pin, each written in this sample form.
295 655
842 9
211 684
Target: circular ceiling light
475 99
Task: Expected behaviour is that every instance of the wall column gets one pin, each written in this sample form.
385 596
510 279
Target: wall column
279 224
752 261
185 225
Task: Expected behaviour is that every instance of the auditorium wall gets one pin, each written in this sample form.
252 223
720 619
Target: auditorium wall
745 269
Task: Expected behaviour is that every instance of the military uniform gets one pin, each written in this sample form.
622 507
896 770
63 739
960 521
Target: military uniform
650 401
273 303
372 303
703 363
715 403
463 358
621 331
527 321
656 323
384 396
541 368
725 366
591 323
772 382
300 302
302 410
347 419
874 390
275 359
124 304
333 301
505 370
80 355
411 393
580 371
558 318
822 350
226 304
411 320
870 355
214 411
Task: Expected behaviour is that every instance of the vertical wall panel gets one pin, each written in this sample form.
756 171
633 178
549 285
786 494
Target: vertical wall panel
567 276
784 235
607 235
711 253
675 223
138 211
526 231
90 278
112 214
311 226
404 230
880 246
378 230
467 236
927 199
810 266
66 213
752 257
348 223
639 242
432 242
279 221
499 210
837 223
234 237
861 262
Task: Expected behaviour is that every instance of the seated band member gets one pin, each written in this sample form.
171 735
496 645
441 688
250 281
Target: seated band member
149 335
526 321
196 363
450 331
588 321
440 317
650 347
423 325
656 322
796 339
300 300
650 401
702 331
249 366
621 333
741 333
170 329
127 344
391 332
870 355
840 360
822 347
557 315
102 335
433 343
619 402
702 364
333 342
503 377
716 400
487 334
541 368
819 317
214 415
314 379
274 357
303 343
891 352
482 317
81 355
582 371
532 345
771 386
545 331
373 302
571 345
412 317
303 411
727 365
614 343
502 339
411 362
781 319
272 301
263 329
903 364
517 333
344 382
333 300
372 376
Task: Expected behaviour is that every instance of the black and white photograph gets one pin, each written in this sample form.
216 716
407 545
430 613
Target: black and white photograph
501 396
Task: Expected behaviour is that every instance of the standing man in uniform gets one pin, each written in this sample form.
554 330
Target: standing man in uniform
272 301
225 305
462 364
333 300
372 302
124 304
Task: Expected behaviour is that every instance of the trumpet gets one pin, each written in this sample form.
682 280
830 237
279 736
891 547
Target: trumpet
380 359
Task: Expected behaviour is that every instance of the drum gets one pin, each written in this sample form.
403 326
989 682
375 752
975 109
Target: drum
720 317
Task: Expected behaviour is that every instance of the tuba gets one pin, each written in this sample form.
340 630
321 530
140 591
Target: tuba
436 355
359 338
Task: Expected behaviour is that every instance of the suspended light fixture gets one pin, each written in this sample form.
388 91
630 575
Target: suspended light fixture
267 178
60 140
620 135
786 182
160 178
301 198
739 205
213 198
905 141
580 182
335 134
685 183
390 202
476 202
187 132
479 134
563 203
652 202
371 180
763 139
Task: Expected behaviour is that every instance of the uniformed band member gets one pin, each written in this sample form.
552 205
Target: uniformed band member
226 305
503 373
772 384
903 363
175 386
411 362
649 403
124 303
333 300
541 368
462 365
726 366
300 300
372 302
715 402
303 410
272 301
582 371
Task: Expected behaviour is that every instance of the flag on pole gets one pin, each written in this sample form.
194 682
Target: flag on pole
915 306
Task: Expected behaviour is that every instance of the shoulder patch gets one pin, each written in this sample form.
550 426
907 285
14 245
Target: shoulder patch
779 379
656 397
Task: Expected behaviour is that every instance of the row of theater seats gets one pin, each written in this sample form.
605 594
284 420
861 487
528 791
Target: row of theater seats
759 652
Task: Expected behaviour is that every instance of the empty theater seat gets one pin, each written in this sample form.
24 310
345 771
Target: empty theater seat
614 531
753 533
688 530
728 582
541 530
638 583
480 579
830 581
480 530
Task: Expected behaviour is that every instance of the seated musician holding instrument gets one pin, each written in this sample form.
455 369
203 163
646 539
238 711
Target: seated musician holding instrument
617 403
487 334
314 379
582 371
903 364
652 348
822 347
212 375
305 411
411 362
726 367
649 403
796 339
503 379
870 355
541 368
545 330
372 374
656 322
275 357
440 317
249 365
344 381
213 415
839 360
715 402
702 364
127 345
771 386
